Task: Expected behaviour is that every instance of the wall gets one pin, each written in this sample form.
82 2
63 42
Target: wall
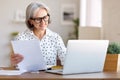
111 20
8 25
90 33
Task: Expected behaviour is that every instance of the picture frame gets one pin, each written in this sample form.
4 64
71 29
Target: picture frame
19 16
68 13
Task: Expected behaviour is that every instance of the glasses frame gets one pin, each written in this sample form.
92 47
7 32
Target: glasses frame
39 19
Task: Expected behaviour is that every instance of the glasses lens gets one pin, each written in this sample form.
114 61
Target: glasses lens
39 19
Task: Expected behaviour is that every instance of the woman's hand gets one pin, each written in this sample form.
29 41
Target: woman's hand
16 58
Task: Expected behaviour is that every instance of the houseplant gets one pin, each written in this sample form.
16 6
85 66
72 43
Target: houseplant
74 34
13 34
112 62
76 22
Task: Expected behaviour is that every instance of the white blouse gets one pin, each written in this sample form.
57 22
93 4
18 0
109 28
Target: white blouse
51 45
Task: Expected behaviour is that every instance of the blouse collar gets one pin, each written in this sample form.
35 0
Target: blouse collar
48 32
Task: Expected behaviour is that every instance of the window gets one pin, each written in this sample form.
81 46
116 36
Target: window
91 13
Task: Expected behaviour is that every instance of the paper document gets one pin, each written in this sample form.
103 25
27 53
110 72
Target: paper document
10 72
33 59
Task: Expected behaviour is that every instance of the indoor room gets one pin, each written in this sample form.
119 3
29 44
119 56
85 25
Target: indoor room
71 19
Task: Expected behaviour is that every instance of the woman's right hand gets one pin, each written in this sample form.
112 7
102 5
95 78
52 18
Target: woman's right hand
16 58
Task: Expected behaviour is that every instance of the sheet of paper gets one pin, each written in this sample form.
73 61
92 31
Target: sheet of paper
30 49
11 72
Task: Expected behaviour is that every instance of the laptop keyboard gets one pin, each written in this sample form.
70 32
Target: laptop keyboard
57 70
60 70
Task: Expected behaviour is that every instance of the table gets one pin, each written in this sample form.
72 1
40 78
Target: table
49 76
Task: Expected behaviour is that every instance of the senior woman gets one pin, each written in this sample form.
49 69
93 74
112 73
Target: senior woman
51 44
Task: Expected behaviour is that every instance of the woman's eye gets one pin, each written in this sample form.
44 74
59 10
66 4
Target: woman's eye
37 20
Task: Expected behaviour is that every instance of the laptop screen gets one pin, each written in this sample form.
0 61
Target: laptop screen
85 56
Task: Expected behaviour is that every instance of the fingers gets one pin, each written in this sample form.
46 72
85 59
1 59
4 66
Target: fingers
16 58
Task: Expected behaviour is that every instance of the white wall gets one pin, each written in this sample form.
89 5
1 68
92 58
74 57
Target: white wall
111 19
90 33
7 25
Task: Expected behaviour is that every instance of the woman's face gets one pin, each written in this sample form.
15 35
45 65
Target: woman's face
40 19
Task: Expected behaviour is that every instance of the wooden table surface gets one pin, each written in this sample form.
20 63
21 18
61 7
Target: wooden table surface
42 75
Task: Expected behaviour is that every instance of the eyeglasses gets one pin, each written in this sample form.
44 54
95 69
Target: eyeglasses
39 19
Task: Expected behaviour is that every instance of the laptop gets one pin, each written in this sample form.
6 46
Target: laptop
84 56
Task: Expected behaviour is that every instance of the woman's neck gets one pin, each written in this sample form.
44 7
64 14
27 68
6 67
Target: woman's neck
39 33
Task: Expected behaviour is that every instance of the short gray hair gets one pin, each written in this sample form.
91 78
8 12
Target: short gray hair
30 12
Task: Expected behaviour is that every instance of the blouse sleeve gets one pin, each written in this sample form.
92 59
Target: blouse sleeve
61 49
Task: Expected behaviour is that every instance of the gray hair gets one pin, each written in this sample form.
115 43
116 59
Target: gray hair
30 12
